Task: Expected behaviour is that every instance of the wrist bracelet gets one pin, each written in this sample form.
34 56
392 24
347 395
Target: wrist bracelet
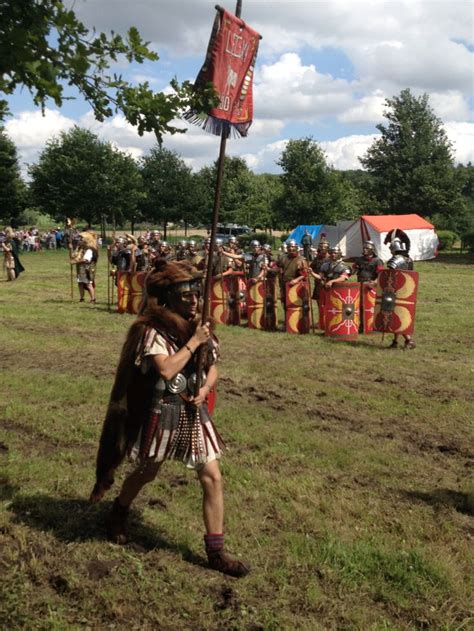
189 349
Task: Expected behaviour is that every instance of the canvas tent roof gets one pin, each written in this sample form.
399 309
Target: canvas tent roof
385 223
423 238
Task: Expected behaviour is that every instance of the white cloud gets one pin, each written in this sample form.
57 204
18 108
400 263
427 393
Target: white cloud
462 137
450 105
369 109
344 153
31 130
289 90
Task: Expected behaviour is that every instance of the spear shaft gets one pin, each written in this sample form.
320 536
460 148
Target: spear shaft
215 219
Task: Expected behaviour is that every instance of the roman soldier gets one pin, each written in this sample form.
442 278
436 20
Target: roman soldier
322 255
293 268
12 264
155 241
334 270
165 251
154 415
221 263
181 250
85 259
193 256
368 266
398 233
255 261
143 255
402 261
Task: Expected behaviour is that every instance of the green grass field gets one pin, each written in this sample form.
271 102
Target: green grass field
349 474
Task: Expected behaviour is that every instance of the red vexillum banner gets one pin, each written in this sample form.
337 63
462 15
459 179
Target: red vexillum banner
229 65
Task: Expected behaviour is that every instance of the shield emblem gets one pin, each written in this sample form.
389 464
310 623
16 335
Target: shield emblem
130 291
342 311
298 308
261 305
395 301
367 307
225 299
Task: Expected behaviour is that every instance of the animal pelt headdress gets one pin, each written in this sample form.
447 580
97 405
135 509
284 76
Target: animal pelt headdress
132 392
90 240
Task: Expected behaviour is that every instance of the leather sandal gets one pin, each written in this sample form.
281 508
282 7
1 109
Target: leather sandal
223 562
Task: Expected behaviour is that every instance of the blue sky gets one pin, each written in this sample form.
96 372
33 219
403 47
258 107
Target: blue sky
324 70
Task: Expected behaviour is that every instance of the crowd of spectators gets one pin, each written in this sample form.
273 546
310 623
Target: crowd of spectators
33 240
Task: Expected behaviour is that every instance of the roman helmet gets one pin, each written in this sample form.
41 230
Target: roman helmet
292 248
368 245
335 252
173 278
397 245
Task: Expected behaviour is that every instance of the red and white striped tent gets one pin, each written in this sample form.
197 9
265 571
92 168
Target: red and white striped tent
422 235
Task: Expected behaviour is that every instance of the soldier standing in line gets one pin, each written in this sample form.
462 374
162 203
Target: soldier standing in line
293 268
368 266
400 260
334 270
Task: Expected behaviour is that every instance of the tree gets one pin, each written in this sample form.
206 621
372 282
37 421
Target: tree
411 163
77 175
168 186
43 45
12 187
312 191
235 192
258 211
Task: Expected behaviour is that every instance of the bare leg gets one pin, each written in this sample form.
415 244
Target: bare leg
81 291
134 483
213 513
117 518
213 497
91 290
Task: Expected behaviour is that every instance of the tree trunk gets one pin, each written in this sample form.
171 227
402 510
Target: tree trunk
165 225
185 228
132 225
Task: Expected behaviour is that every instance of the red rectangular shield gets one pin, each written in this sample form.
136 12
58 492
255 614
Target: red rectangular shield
298 308
130 291
342 311
395 302
367 308
225 299
261 304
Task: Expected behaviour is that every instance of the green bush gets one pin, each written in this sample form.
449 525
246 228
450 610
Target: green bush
446 239
263 237
468 241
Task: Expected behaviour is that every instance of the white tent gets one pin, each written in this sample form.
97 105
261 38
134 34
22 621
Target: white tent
423 238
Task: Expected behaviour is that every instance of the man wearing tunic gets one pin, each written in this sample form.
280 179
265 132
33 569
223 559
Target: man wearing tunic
10 249
85 259
255 262
293 268
153 414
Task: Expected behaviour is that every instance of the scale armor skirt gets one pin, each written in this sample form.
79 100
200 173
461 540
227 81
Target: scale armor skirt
178 431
